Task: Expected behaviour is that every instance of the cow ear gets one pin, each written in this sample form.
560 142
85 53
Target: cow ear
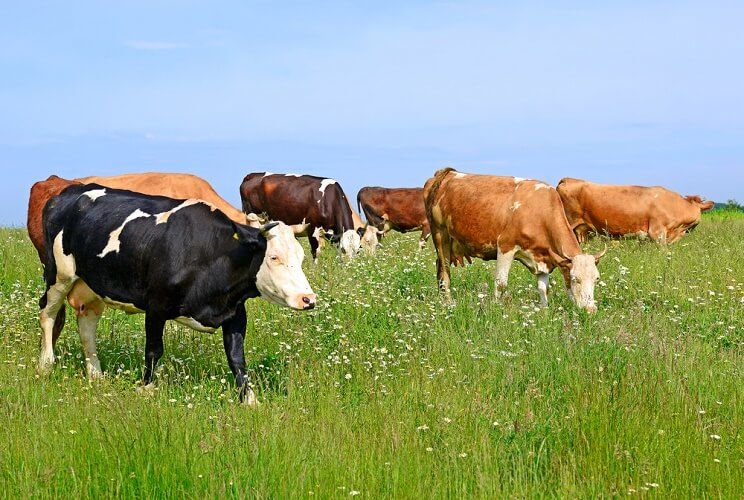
565 264
249 236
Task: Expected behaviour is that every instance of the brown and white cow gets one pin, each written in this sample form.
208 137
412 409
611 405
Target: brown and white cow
507 218
399 209
646 212
318 203
177 186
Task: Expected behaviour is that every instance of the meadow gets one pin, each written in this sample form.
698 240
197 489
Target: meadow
386 390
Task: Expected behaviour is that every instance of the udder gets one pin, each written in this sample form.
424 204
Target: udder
84 300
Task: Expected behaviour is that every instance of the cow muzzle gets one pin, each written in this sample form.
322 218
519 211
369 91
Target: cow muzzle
308 301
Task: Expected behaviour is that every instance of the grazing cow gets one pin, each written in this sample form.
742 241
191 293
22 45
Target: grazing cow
178 186
367 233
317 202
507 218
179 260
645 212
401 209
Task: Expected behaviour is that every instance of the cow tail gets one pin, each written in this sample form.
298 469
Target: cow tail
431 194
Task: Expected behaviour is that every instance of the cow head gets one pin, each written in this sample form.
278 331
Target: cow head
697 201
350 243
280 278
370 237
582 275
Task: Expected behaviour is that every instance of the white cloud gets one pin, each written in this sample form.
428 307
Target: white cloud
154 45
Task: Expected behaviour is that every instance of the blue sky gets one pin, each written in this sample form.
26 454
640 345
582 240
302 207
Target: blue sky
373 92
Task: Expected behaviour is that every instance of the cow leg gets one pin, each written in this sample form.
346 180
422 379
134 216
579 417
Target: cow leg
442 245
542 288
425 233
59 324
87 325
314 244
153 345
51 304
658 234
233 338
504 262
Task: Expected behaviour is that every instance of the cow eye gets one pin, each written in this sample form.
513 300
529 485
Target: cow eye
274 258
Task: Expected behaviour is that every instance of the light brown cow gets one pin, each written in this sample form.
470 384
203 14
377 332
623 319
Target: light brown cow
400 209
178 186
507 218
646 212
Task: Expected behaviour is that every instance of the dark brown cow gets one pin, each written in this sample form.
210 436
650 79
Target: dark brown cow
401 209
318 203
507 218
645 212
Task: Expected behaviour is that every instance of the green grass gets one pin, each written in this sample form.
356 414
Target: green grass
386 391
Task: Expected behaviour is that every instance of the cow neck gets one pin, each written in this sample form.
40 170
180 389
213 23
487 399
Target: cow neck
565 245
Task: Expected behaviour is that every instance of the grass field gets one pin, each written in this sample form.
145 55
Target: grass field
384 390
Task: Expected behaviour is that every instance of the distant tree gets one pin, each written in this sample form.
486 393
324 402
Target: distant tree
734 205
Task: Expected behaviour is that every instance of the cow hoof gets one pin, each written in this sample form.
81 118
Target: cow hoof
45 365
251 400
96 375
146 390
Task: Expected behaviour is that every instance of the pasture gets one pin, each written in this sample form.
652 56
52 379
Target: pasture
384 390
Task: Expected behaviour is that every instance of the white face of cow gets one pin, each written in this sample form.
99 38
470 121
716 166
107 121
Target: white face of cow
350 243
370 239
280 278
584 275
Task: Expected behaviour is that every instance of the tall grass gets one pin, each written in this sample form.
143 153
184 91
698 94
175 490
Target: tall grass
384 390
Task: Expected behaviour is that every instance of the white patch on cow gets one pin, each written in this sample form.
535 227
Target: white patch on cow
122 306
55 296
504 262
66 267
517 180
268 174
541 185
515 206
350 243
292 175
114 244
542 267
194 324
460 175
543 280
94 194
280 278
324 184
163 217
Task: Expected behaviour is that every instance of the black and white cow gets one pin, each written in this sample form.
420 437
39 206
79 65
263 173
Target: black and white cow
179 260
